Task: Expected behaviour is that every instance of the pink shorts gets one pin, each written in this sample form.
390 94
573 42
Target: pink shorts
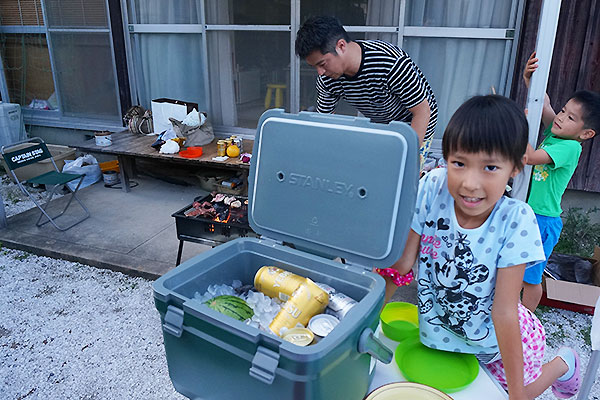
533 337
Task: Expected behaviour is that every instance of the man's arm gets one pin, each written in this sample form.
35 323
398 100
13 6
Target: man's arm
421 113
548 113
326 101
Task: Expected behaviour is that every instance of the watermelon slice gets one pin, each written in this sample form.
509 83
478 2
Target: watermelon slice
232 306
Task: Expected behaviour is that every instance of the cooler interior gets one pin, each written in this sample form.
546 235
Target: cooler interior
244 257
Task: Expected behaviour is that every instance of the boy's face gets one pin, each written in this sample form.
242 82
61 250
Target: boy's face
329 64
568 123
477 181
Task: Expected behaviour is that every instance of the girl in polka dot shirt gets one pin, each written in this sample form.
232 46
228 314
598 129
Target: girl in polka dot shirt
473 244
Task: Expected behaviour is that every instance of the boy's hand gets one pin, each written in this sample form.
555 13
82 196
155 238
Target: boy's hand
530 68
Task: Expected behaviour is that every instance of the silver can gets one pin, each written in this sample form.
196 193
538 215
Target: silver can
340 304
238 142
322 324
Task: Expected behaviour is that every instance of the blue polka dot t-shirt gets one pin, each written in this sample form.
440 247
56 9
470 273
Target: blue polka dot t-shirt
457 266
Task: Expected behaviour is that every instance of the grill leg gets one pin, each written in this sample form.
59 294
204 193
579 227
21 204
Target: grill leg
179 251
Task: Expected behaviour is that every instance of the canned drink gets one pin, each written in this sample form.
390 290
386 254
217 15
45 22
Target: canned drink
307 301
221 148
326 288
299 336
238 142
340 304
322 324
276 282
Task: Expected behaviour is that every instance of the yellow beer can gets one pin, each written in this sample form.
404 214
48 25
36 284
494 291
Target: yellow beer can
221 148
299 336
276 282
307 301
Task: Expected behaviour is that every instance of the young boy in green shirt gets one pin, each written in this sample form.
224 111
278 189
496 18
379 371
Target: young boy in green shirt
555 161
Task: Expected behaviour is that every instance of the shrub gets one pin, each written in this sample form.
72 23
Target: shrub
579 234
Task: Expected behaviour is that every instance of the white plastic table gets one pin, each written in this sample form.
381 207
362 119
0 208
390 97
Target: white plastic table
483 387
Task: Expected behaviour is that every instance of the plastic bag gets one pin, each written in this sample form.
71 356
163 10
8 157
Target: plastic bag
169 147
86 165
194 135
569 268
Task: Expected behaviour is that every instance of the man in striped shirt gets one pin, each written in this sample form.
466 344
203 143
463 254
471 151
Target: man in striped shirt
376 77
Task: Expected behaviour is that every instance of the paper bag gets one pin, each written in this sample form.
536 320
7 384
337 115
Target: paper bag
163 109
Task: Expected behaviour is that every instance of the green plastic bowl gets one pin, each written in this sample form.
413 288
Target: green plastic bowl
400 320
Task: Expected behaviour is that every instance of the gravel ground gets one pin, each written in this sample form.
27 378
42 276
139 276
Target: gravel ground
71 331
15 201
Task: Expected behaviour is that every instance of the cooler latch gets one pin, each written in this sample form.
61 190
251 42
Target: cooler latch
264 365
173 321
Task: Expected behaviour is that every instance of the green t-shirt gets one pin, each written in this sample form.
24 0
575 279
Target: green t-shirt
549 181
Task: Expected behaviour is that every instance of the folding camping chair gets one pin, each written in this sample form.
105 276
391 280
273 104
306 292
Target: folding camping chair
31 151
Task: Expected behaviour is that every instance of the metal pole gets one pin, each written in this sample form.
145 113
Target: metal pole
2 213
590 375
537 89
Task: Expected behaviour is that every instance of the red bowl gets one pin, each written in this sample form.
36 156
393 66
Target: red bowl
191 152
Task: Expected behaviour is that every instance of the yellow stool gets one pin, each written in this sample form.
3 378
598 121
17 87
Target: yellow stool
279 88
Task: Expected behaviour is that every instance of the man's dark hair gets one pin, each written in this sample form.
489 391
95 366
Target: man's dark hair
492 124
319 33
590 107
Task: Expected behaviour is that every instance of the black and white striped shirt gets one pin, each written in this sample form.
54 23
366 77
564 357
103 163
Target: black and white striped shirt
386 85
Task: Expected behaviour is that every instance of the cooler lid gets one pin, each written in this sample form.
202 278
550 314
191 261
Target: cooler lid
334 185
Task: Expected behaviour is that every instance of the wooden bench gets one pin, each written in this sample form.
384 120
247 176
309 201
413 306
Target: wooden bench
128 146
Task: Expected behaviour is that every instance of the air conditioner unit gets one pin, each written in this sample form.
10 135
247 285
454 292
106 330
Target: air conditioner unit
12 128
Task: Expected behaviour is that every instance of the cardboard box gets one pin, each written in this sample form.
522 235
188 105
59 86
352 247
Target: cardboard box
577 293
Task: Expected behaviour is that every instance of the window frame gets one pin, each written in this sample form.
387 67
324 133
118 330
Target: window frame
510 35
56 118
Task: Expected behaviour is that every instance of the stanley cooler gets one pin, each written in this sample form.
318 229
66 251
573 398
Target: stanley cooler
333 186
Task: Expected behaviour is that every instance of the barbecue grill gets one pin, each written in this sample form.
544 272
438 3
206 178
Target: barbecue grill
210 231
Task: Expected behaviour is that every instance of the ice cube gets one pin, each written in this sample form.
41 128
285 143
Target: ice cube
236 284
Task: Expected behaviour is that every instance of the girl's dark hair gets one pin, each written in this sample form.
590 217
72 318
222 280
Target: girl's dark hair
490 124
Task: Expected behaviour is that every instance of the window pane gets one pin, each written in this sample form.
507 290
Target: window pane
85 74
164 12
457 69
458 13
361 12
27 69
244 12
22 12
170 66
76 13
244 67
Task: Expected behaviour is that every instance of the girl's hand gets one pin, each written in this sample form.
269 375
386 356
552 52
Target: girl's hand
530 67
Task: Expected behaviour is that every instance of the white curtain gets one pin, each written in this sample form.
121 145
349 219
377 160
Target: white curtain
456 68
220 65
169 64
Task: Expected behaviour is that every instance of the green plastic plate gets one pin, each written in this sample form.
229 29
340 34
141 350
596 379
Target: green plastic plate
443 370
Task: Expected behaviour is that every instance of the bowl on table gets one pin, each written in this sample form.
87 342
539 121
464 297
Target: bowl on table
400 321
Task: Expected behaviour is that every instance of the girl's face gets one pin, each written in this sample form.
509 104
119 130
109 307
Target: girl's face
477 181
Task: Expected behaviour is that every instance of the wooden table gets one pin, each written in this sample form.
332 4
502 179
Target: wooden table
128 146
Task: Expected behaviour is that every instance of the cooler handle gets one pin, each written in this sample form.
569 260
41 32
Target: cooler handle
264 365
368 343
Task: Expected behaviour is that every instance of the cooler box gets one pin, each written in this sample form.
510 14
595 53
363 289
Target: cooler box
331 185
